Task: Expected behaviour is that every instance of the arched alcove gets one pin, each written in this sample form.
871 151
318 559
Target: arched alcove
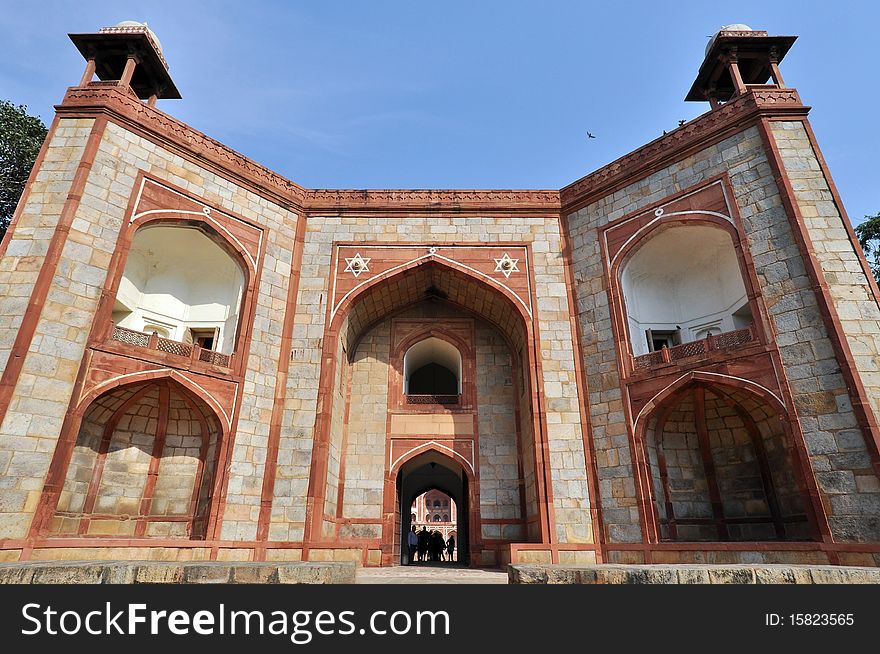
432 367
723 468
681 285
180 283
363 381
143 465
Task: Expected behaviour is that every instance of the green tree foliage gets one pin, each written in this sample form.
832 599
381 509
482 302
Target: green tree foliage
21 137
868 234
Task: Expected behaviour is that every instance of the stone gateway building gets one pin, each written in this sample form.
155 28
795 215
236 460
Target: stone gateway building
672 359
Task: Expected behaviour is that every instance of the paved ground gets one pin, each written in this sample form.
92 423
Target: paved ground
430 573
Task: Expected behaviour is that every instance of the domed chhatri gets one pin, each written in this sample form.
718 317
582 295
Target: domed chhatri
737 58
129 53
735 27
134 23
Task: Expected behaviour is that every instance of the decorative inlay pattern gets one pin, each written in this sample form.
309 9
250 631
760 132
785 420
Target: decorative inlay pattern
357 265
506 265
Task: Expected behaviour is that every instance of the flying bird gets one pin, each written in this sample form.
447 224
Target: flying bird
590 135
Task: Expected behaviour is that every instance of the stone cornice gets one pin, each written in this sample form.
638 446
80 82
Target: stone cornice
178 137
697 134
439 200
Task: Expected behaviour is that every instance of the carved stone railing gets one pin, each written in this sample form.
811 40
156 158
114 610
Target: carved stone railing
432 399
713 342
155 342
216 358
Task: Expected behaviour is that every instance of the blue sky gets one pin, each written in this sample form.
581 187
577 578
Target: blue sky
458 94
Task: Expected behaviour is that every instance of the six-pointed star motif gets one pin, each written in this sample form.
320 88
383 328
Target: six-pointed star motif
357 264
506 265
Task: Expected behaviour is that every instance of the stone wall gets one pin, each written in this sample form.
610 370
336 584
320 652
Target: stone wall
365 460
40 400
154 572
33 419
567 461
498 451
337 441
821 397
691 574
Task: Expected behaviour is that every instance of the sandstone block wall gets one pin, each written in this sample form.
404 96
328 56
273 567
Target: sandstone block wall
41 398
570 487
499 454
822 400
366 455
29 429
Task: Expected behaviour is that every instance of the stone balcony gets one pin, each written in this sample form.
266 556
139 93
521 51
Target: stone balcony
154 342
695 349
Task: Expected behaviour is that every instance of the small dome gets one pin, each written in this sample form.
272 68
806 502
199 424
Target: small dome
735 27
134 23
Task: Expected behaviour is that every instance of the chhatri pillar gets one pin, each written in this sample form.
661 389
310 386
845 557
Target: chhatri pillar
129 54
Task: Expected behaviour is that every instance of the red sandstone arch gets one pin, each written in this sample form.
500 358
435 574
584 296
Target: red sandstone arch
249 263
388 294
131 388
147 375
742 397
644 234
617 259
210 227
709 378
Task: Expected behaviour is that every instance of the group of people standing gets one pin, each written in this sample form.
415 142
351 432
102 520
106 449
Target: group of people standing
429 545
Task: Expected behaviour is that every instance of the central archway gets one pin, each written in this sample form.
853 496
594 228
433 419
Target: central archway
367 426
424 472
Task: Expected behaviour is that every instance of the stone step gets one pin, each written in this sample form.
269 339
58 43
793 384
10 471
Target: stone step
691 574
158 572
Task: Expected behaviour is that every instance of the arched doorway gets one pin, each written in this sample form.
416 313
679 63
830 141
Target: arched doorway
367 425
424 472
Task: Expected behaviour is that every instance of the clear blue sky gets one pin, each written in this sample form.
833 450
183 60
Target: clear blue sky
458 94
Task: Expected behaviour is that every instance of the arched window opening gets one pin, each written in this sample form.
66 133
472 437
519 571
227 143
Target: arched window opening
179 283
432 367
436 517
683 285
445 517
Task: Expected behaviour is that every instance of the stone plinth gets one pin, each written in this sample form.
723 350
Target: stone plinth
691 574
154 572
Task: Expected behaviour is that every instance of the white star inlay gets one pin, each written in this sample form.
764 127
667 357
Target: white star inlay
357 265
506 265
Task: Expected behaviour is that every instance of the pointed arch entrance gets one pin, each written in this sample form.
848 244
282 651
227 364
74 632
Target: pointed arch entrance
370 330
426 471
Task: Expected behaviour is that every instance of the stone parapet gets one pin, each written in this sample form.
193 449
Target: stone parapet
154 572
691 574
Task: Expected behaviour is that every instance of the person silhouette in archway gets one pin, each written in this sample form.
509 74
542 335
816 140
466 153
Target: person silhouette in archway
450 547
423 539
412 541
